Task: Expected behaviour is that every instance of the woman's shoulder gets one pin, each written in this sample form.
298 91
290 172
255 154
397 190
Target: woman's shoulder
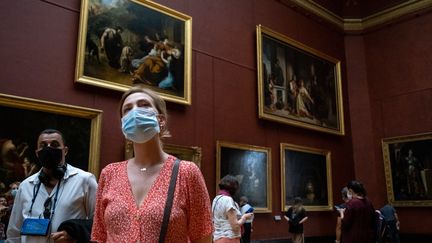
227 199
187 164
189 168
114 167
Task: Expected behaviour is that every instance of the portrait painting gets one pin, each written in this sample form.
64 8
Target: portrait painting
408 169
251 166
306 173
188 153
298 85
23 119
135 42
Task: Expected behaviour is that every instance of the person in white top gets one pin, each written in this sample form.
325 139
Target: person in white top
56 193
227 218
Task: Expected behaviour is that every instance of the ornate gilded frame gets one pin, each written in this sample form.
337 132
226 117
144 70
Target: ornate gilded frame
24 118
408 174
306 173
282 65
252 167
145 25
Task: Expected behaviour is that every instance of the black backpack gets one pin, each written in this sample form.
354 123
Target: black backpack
381 227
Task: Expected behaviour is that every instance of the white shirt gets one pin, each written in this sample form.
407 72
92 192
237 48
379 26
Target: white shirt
244 209
76 200
222 228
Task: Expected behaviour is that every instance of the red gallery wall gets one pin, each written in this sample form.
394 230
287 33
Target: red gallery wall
38 51
390 92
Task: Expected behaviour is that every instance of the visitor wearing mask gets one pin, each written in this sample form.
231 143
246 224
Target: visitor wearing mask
11 194
58 192
358 218
14 190
152 197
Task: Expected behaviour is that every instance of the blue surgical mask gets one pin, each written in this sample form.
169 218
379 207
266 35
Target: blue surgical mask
14 192
140 125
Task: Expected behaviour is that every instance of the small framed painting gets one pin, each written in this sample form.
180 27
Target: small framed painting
251 166
306 173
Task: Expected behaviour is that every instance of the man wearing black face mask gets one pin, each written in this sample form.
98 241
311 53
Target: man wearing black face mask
58 192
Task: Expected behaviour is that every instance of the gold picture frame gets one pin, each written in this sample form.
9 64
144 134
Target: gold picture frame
123 43
306 173
24 118
298 85
251 165
408 169
189 153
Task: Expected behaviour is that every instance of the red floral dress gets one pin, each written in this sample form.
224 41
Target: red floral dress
118 219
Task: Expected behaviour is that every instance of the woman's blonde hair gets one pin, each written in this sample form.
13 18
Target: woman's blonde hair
158 102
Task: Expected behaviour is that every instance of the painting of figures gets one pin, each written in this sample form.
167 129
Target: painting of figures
298 85
124 43
408 169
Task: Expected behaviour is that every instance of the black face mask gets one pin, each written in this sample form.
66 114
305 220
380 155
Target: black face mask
50 157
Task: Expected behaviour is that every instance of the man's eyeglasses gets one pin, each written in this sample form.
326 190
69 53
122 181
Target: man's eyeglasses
47 210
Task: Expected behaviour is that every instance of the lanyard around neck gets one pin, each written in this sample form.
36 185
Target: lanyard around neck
36 191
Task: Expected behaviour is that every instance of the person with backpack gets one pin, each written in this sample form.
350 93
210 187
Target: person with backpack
392 223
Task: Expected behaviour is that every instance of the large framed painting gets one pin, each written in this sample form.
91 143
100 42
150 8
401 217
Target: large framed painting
251 166
189 153
306 173
22 121
408 169
298 85
129 42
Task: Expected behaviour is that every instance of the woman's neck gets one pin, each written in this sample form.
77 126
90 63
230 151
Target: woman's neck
224 192
149 154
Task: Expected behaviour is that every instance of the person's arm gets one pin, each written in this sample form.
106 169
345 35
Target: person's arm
302 216
338 229
73 230
90 199
303 220
346 218
236 223
286 215
62 237
99 233
102 39
165 60
200 226
15 221
397 221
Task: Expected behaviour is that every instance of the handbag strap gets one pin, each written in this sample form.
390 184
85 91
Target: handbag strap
169 201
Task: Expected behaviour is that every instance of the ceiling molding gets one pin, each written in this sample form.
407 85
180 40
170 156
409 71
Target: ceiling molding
320 11
359 25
